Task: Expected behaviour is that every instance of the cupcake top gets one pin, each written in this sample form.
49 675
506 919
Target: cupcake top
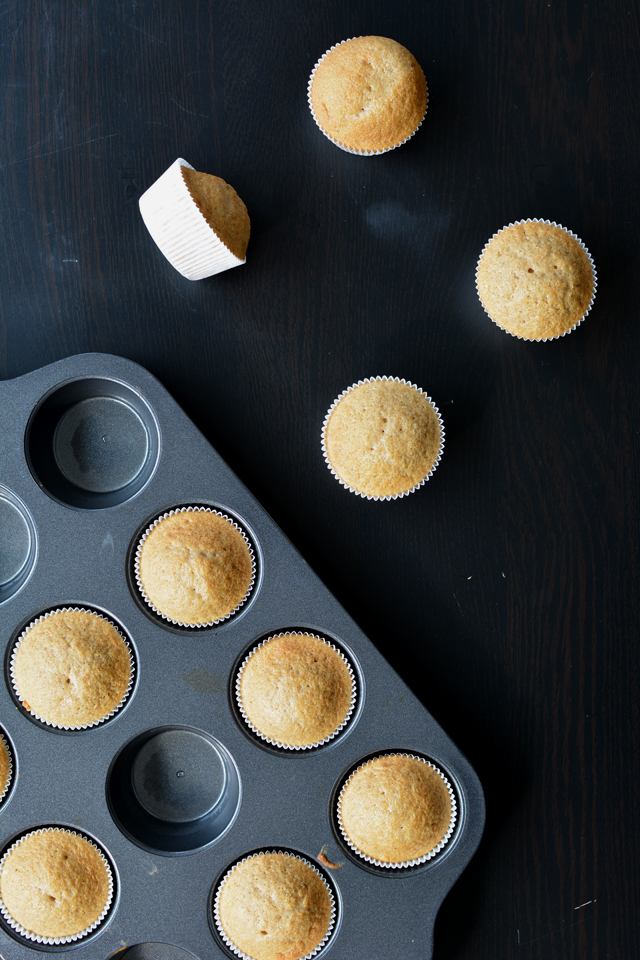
368 94
6 767
383 437
296 690
71 668
221 207
535 280
274 906
54 884
396 809
195 567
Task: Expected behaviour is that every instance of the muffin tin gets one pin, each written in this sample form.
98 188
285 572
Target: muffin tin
174 787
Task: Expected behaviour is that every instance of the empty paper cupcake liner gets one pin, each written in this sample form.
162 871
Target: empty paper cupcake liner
72 938
5 791
393 496
180 230
277 743
216 900
83 726
407 863
359 153
148 602
551 223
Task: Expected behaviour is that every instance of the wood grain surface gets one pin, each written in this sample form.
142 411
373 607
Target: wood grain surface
505 591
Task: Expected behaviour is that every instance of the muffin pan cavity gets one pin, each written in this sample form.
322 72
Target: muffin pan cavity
174 790
92 443
175 784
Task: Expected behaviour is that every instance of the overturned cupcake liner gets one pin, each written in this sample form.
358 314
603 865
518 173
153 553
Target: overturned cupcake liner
551 223
180 230
405 863
71 938
7 786
136 567
216 915
278 743
392 496
359 153
79 726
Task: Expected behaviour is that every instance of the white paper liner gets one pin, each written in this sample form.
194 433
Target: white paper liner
4 792
179 623
278 743
359 153
51 941
83 726
392 496
216 915
180 230
407 863
551 223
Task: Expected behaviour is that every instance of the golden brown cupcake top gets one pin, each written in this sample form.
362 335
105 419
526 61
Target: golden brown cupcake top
296 690
195 567
368 93
535 280
221 207
72 668
55 883
274 906
382 438
395 809
5 766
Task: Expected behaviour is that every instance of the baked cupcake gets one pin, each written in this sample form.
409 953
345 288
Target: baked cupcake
536 280
274 906
195 567
382 438
368 95
71 668
296 690
55 886
197 220
396 810
6 768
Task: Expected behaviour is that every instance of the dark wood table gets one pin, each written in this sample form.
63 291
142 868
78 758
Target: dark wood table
505 592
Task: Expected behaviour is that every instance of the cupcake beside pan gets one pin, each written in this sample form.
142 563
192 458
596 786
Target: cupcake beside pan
176 785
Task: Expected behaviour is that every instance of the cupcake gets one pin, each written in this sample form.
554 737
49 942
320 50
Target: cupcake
296 690
6 768
368 95
274 906
55 886
197 220
536 280
194 567
396 810
382 438
71 668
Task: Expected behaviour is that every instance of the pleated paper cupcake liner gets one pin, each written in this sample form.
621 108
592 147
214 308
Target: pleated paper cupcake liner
82 726
359 153
150 604
405 863
551 223
278 743
71 938
216 916
393 496
180 230
5 791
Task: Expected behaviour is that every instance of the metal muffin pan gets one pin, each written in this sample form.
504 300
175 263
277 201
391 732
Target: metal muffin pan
174 787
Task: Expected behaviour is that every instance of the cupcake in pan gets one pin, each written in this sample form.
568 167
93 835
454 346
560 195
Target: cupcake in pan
274 905
195 567
296 690
396 810
6 767
536 280
72 668
382 438
56 886
368 95
197 220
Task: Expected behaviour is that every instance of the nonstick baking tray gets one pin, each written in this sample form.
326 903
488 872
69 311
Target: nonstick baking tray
93 448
